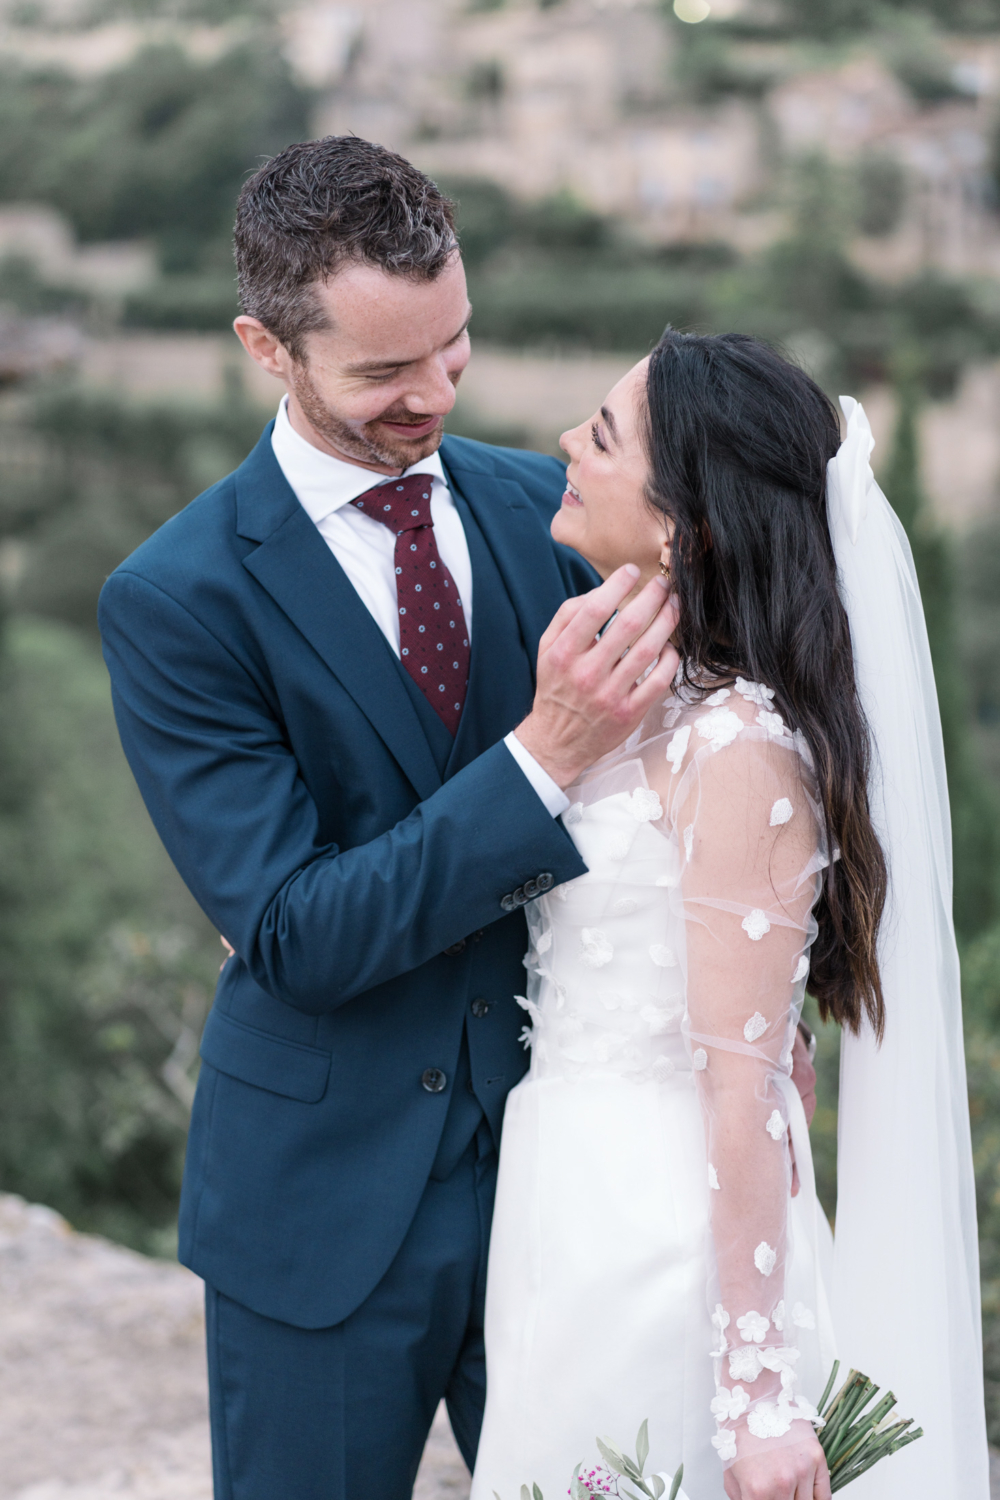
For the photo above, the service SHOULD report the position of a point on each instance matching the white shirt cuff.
(555, 799)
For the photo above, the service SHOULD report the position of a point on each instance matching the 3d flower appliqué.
(778, 1317)
(573, 814)
(755, 1027)
(662, 1069)
(544, 941)
(753, 1326)
(689, 839)
(781, 812)
(619, 845)
(744, 1364)
(720, 1318)
(801, 968)
(773, 723)
(719, 696)
(646, 805)
(719, 726)
(802, 1316)
(775, 1126)
(663, 957)
(754, 692)
(699, 1060)
(526, 1037)
(768, 1420)
(756, 925)
(624, 906)
(597, 951)
(713, 1179)
(764, 1258)
(728, 1405)
(724, 1444)
(678, 747)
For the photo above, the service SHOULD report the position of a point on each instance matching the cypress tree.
(974, 814)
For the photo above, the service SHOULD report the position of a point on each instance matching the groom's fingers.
(578, 633)
(632, 622)
(563, 615)
(648, 648)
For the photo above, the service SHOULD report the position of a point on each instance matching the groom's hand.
(590, 694)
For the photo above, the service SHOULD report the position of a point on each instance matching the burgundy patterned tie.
(433, 637)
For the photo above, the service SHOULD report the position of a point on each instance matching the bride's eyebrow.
(611, 424)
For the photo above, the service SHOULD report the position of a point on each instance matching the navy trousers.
(343, 1413)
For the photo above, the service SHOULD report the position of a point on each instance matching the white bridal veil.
(906, 1288)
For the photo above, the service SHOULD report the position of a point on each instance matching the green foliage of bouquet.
(852, 1438)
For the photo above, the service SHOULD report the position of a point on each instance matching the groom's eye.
(597, 439)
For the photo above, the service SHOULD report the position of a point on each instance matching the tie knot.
(401, 504)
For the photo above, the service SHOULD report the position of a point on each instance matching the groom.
(316, 668)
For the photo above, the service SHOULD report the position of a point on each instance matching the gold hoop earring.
(664, 570)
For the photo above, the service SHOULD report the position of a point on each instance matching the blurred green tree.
(975, 822)
(158, 147)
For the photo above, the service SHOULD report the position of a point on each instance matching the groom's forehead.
(379, 318)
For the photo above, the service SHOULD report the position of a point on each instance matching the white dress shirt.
(366, 550)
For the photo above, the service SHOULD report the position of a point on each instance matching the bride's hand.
(795, 1472)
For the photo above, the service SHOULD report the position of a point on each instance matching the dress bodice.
(606, 990)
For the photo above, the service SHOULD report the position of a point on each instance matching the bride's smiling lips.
(571, 496)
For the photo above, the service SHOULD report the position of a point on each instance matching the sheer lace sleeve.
(742, 808)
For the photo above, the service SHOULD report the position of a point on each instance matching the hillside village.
(673, 129)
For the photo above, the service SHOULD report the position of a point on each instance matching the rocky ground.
(102, 1379)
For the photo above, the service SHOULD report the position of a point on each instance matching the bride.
(648, 1257)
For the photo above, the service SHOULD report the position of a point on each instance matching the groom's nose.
(432, 386)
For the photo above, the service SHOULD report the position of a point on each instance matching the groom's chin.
(403, 452)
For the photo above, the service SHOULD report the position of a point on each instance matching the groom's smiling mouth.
(411, 429)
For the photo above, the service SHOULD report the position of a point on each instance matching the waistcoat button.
(433, 1080)
(479, 1008)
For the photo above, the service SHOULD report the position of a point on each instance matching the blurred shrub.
(199, 302)
(107, 965)
(87, 475)
(882, 194)
(580, 305)
(981, 1000)
(158, 147)
(979, 572)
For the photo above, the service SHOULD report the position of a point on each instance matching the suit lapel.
(520, 545)
(296, 567)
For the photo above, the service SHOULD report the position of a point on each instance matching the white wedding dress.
(645, 1173)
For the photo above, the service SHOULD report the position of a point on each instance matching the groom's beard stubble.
(368, 444)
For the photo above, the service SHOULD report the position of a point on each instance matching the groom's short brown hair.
(316, 206)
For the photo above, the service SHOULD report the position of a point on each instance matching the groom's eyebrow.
(372, 366)
(610, 423)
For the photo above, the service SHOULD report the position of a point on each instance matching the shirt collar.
(322, 483)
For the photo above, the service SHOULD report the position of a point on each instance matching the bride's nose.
(570, 442)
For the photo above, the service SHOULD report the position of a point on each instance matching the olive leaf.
(642, 1445)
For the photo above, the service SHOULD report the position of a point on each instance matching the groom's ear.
(262, 346)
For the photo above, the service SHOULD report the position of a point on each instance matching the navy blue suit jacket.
(290, 773)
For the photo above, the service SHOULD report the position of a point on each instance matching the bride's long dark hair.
(738, 441)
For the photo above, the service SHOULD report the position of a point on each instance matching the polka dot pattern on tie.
(433, 640)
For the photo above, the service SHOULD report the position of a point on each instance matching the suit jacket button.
(531, 889)
(508, 902)
(456, 947)
(520, 899)
(545, 881)
(479, 1008)
(433, 1080)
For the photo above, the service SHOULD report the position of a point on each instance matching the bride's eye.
(597, 438)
